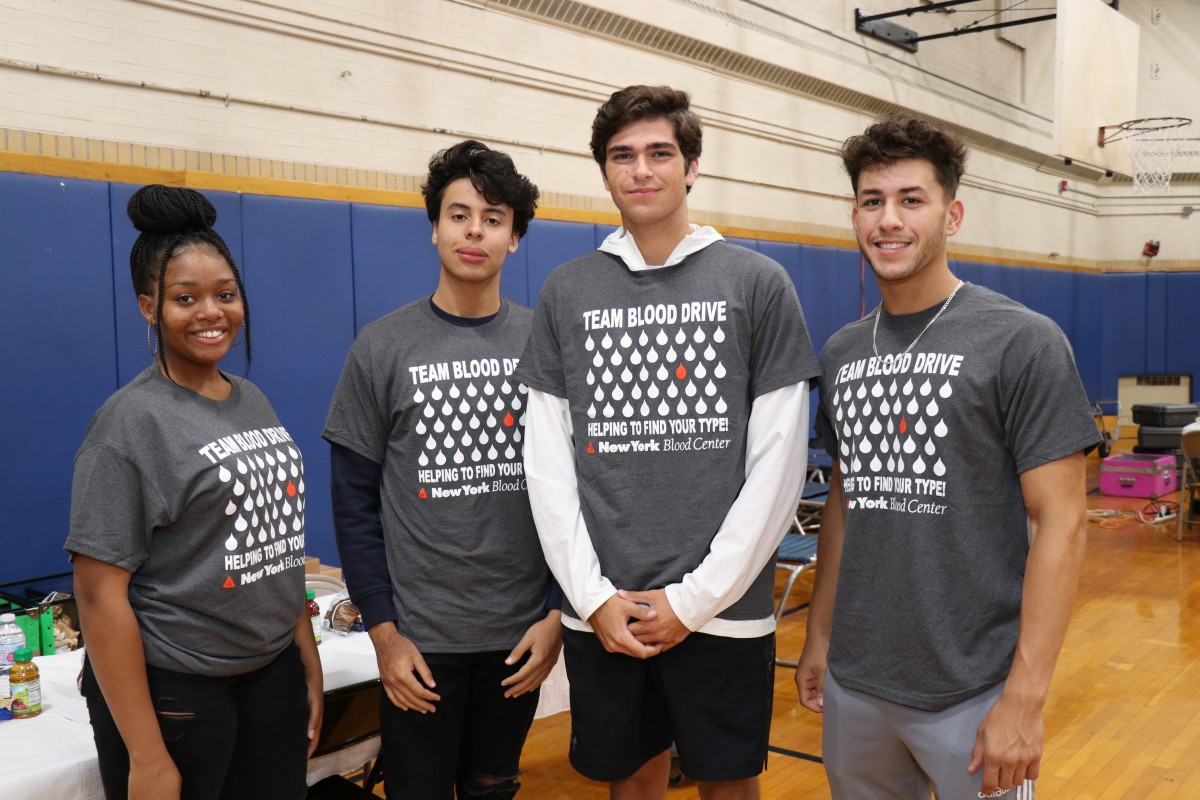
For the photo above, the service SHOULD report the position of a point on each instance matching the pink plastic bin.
(1137, 475)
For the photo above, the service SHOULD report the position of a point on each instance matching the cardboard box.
(1137, 475)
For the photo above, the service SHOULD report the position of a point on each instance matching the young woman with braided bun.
(202, 677)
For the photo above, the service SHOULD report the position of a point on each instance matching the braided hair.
(168, 219)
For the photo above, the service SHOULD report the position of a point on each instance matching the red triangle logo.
(590, 448)
(421, 494)
(228, 584)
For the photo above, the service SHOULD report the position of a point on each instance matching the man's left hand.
(1008, 745)
(665, 629)
(543, 642)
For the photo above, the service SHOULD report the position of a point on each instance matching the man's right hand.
(402, 670)
(810, 676)
(610, 622)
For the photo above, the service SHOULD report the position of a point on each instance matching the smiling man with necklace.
(955, 527)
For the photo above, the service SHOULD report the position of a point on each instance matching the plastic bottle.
(314, 614)
(12, 639)
(26, 685)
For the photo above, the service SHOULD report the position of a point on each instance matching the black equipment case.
(1159, 438)
(1165, 415)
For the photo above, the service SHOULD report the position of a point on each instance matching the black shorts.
(710, 695)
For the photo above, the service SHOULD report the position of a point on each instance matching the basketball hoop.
(1152, 143)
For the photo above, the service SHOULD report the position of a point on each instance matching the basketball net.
(1152, 144)
(1152, 157)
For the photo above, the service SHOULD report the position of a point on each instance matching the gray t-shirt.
(660, 368)
(203, 501)
(931, 446)
(437, 406)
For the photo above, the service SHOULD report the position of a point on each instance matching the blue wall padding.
(395, 261)
(1086, 335)
(1156, 323)
(1123, 334)
(299, 277)
(548, 244)
(316, 272)
(1182, 325)
(58, 360)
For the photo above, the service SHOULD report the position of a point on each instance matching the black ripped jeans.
(472, 743)
(241, 737)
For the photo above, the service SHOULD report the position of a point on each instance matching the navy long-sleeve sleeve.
(554, 596)
(354, 486)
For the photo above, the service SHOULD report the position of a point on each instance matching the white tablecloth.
(53, 757)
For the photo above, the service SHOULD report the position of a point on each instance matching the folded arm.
(776, 463)
(566, 543)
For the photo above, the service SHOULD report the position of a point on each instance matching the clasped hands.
(638, 624)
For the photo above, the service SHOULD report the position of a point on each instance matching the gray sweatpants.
(877, 750)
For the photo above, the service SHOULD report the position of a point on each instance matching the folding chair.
(1189, 489)
(812, 503)
(798, 551)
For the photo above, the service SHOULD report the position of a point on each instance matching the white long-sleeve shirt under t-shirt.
(776, 461)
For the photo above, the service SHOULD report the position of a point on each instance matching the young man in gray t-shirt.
(432, 520)
(668, 388)
(954, 532)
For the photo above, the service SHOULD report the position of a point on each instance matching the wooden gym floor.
(1123, 720)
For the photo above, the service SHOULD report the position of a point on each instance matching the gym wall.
(317, 271)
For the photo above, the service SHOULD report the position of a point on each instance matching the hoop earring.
(151, 339)
(236, 343)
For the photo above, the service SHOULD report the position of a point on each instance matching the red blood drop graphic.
(847, 505)
(590, 448)
(291, 490)
(228, 584)
(421, 494)
(508, 420)
(903, 425)
(681, 371)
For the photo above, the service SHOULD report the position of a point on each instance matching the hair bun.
(170, 209)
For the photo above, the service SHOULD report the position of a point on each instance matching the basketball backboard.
(1096, 63)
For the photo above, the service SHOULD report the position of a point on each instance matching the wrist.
(1026, 697)
(150, 754)
(383, 634)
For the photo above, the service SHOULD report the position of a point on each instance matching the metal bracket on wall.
(876, 26)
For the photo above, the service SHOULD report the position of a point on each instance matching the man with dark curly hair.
(431, 516)
(955, 526)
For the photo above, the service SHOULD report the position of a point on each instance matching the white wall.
(381, 84)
